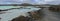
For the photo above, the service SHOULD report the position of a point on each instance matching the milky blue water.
(9, 15)
(7, 7)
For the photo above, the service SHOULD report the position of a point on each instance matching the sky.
(30, 1)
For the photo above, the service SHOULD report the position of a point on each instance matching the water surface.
(9, 15)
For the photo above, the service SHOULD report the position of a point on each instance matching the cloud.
(52, 1)
(48, 0)
(31, 1)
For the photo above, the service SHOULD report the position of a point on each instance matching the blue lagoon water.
(7, 7)
(9, 15)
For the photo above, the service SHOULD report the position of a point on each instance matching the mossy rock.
(36, 15)
(21, 18)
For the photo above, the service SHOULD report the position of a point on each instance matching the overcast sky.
(30, 1)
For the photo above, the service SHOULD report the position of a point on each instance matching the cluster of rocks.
(54, 8)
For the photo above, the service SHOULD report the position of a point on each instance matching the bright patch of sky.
(30, 1)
